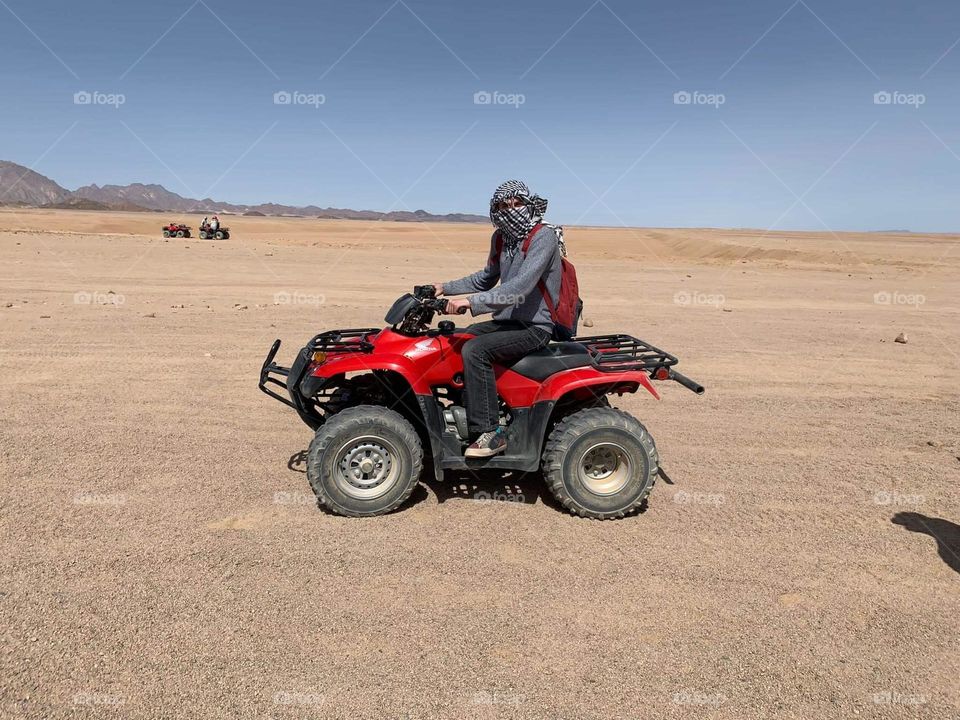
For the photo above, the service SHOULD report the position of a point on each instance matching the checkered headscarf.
(516, 223)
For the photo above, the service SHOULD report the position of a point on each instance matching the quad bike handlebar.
(427, 294)
(413, 313)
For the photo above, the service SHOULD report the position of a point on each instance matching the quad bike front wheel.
(600, 463)
(364, 461)
(218, 235)
(166, 233)
(179, 233)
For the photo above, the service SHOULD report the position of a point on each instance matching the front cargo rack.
(343, 341)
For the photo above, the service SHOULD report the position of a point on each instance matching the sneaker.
(487, 445)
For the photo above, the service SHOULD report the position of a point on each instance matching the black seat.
(554, 358)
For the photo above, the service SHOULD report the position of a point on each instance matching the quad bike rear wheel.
(219, 235)
(600, 463)
(179, 233)
(203, 235)
(364, 461)
(166, 233)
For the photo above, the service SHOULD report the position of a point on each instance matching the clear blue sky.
(598, 83)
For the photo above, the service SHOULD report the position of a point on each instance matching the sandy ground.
(163, 557)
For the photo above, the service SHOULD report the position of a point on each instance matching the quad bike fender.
(356, 362)
(556, 386)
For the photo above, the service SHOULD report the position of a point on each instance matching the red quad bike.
(176, 230)
(379, 400)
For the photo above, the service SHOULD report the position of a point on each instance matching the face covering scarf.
(516, 223)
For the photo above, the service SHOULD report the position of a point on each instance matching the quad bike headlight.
(319, 357)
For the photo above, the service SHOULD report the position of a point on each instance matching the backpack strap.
(541, 285)
(529, 238)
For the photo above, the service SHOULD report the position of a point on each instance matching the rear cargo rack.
(617, 353)
(343, 341)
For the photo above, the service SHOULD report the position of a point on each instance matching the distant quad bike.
(379, 400)
(221, 233)
(176, 230)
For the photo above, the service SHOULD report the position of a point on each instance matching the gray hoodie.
(517, 297)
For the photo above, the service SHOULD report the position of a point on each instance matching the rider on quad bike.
(383, 402)
(525, 258)
(212, 229)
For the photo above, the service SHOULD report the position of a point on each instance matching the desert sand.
(163, 555)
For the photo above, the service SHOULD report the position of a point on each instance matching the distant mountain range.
(24, 187)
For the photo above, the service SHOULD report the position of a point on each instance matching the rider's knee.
(472, 350)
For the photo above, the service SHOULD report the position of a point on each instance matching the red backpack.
(565, 312)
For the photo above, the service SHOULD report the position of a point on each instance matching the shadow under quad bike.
(377, 399)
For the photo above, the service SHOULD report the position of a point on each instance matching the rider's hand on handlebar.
(457, 306)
